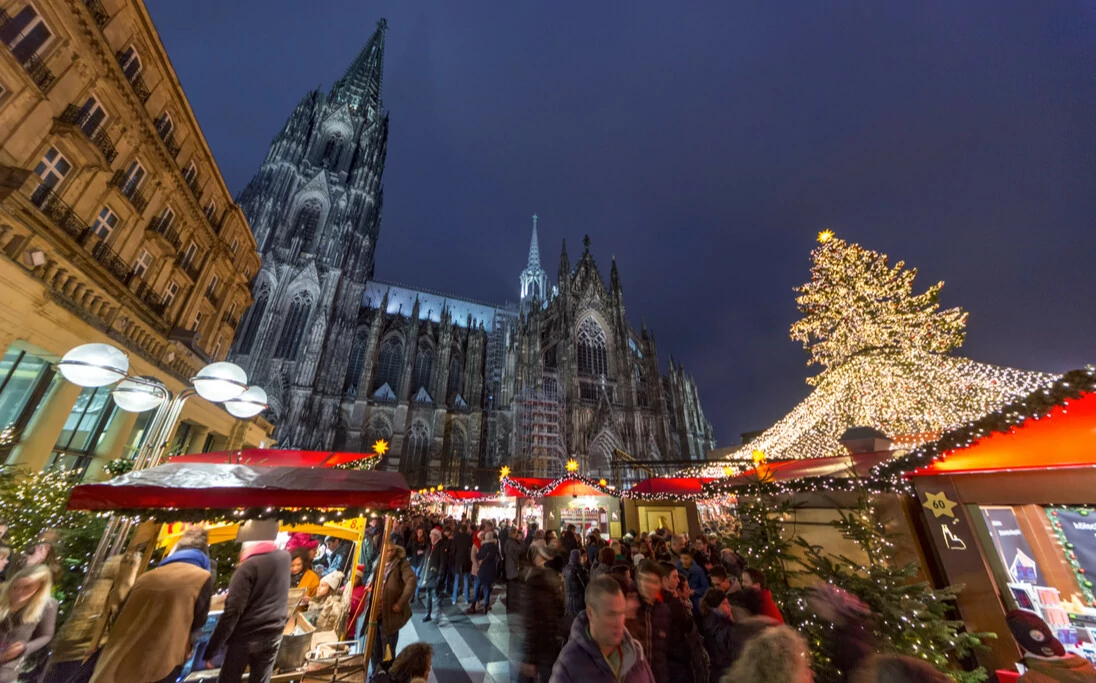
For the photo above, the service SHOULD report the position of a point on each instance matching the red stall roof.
(195, 486)
(836, 466)
(274, 457)
(566, 487)
(1065, 437)
(671, 486)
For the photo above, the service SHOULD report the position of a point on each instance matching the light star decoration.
(380, 447)
(572, 465)
(825, 236)
(504, 472)
(939, 504)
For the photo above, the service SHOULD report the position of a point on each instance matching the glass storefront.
(90, 417)
(23, 379)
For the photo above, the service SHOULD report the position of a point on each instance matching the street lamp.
(94, 365)
(138, 394)
(248, 404)
(219, 382)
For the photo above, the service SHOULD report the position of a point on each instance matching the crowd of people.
(646, 608)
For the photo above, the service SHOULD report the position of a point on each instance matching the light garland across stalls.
(289, 516)
(532, 492)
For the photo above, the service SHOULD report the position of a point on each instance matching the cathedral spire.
(534, 281)
(361, 84)
(534, 249)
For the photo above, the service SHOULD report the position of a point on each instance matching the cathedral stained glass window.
(389, 365)
(331, 150)
(306, 224)
(254, 319)
(592, 358)
(418, 442)
(424, 365)
(357, 362)
(296, 321)
(455, 383)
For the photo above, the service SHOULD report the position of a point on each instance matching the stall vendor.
(300, 573)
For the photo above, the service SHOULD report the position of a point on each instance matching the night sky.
(704, 145)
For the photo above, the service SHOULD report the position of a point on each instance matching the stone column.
(41, 434)
(197, 438)
(112, 444)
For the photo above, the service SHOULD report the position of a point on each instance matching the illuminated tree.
(856, 303)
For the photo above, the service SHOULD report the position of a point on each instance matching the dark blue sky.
(705, 144)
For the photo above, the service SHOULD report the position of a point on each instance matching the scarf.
(190, 556)
(260, 548)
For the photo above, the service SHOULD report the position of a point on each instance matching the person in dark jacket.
(416, 548)
(254, 615)
(850, 640)
(575, 578)
(569, 540)
(600, 649)
(753, 585)
(460, 563)
(488, 558)
(718, 630)
(430, 573)
(684, 636)
(513, 550)
(694, 574)
(543, 603)
(651, 624)
(397, 586)
(446, 548)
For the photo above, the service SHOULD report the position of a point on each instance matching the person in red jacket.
(753, 582)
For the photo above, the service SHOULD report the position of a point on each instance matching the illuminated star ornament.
(380, 447)
(504, 472)
(825, 236)
(939, 504)
(572, 465)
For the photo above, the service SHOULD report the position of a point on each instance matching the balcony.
(168, 136)
(98, 14)
(192, 183)
(112, 262)
(81, 119)
(31, 63)
(231, 320)
(59, 213)
(214, 297)
(161, 228)
(146, 294)
(192, 268)
(135, 80)
(130, 191)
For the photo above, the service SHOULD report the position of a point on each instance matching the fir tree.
(908, 617)
(856, 302)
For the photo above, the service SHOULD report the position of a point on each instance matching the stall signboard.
(1012, 547)
(1078, 526)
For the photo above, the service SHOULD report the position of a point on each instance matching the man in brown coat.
(399, 583)
(151, 639)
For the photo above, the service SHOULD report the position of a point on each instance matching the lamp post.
(100, 365)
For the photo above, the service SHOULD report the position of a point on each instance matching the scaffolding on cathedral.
(540, 449)
(497, 340)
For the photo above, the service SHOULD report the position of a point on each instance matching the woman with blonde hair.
(776, 655)
(27, 617)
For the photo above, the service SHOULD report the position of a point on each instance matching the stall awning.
(787, 470)
(669, 486)
(191, 486)
(1064, 437)
(273, 457)
(542, 487)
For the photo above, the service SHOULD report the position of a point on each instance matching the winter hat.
(333, 579)
(1033, 634)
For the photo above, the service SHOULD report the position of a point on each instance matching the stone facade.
(458, 387)
(115, 227)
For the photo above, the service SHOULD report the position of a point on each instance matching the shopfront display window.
(86, 423)
(22, 376)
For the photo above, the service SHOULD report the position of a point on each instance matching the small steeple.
(534, 281)
(564, 275)
(361, 84)
(614, 277)
(534, 248)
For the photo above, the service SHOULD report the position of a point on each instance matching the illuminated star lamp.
(825, 236)
(572, 465)
(380, 447)
(504, 472)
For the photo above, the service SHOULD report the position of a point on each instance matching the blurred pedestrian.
(753, 584)
(430, 572)
(411, 664)
(694, 574)
(575, 579)
(900, 669)
(776, 654)
(849, 640)
(543, 607)
(488, 558)
(460, 563)
(650, 624)
(165, 610)
(27, 618)
(397, 585)
(685, 654)
(718, 629)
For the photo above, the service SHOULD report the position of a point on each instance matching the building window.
(190, 174)
(25, 34)
(254, 320)
(196, 323)
(424, 365)
(105, 223)
(331, 151)
(53, 168)
(167, 217)
(235, 246)
(143, 263)
(231, 310)
(389, 365)
(296, 321)
(357, 362)
(170, 293)
(131, 62)
(305, 224)
(135, 174)
(92, 115)
(216, 355)
(188, 255)
(164, 125)
(22, 375)
(418, 445)
(212, 288)
(211, 210)
(85, 424)
(592, 359)
(455, 380)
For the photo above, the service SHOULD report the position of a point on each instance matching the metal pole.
(376, 602)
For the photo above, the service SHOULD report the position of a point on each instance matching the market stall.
(665, 503)
(222, 497)
(570, 499)
(1007, 506)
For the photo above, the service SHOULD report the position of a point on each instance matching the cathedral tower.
(315, 210)
(534, 281)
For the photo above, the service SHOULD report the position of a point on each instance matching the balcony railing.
(130, 191)
(97, 12)
(135, 80)
(192, 267)
(163, 227)
(80, 118)
(58, 212)
(146, 294)
(32, 64)
(168, 136)
(231, 320)
(112, 262)
(192, 183)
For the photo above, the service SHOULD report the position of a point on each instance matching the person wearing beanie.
(717, 627)
(1045, 658)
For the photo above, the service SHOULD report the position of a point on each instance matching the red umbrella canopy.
(194, 486)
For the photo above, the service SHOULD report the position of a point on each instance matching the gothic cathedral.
(457, 387)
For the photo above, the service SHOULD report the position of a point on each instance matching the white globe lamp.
(248, 404)
(94, 365)
(138, 394)
(219, 382)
